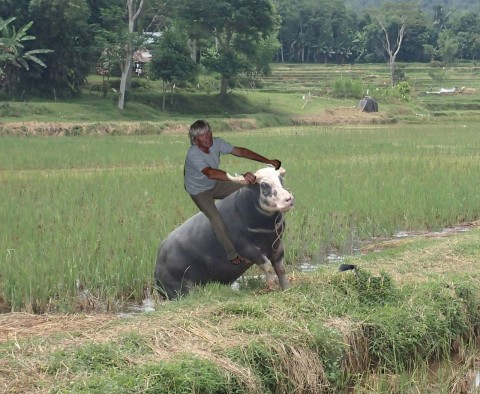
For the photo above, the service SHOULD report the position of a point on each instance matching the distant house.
(140, 57)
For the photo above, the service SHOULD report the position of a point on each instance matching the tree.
(18, 8)
(393, 19)
(171, 61)
(116, 41)
(13, 55)
(429, 51)
(476, 47)
(237, 27)
(264, 53)
(466, 29)
(441, 17)
(447, 46)
(134, 7)
(64, 28)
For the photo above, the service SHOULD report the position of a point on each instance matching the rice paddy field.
(88, 193)
(88, 213)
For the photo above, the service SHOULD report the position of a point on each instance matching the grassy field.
(90, 212)
(82, 218)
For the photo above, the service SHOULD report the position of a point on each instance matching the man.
(205, 182)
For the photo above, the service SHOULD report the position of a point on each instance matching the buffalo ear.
(281, 171)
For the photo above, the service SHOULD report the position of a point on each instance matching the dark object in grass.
(347, 267)
(368, 104)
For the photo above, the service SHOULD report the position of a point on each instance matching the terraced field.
(425, 80)
(422, 77)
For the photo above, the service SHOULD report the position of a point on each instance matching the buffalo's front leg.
(282, 277)
(269, 271)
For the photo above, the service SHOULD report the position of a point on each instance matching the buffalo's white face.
(273, 196)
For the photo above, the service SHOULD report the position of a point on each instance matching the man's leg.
(206, 203)
(224, 189)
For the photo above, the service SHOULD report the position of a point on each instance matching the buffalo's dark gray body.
(192, 255)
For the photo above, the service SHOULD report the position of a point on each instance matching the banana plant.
(12, 52)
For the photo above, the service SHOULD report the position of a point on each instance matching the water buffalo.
(191, 255)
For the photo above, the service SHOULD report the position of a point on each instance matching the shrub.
(348, 88)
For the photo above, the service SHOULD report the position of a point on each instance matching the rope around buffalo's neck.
(278, 225)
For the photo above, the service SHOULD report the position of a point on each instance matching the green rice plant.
(85, 215)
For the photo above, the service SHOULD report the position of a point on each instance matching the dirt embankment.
(103, 128)
(331, 116)
(344, 116)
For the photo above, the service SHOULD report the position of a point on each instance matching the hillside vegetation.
(292, 94)
(427, 5)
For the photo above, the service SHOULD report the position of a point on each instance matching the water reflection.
(354, 246)
(146, 306)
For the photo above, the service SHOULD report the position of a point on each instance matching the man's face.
(204, 141)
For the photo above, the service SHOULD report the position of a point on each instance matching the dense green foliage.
(426, 5)
(13, 56)
(232, 38)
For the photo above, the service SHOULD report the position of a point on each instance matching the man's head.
(198, 128)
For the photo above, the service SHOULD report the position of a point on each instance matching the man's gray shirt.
(195, 181)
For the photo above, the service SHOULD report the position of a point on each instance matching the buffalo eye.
(266, 189)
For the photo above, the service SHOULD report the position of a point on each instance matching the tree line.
(49, 47)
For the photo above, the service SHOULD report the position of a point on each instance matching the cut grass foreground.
(380, 332)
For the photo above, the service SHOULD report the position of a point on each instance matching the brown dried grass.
(330, 116)
(343, 116)
(35, 337)
(18, 326)
(84, 128)
(356, 358)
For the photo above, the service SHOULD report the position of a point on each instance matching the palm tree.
(13, 56)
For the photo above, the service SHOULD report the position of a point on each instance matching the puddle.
(433, 234)
(355, 247)
(148, 305)
(463, 367)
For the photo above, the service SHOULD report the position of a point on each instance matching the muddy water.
(463, 368)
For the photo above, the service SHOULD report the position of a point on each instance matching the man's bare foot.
(236, 261)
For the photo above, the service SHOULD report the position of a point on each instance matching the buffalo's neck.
(257, 219)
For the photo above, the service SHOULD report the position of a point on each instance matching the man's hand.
(250, 178)
(276, 163)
